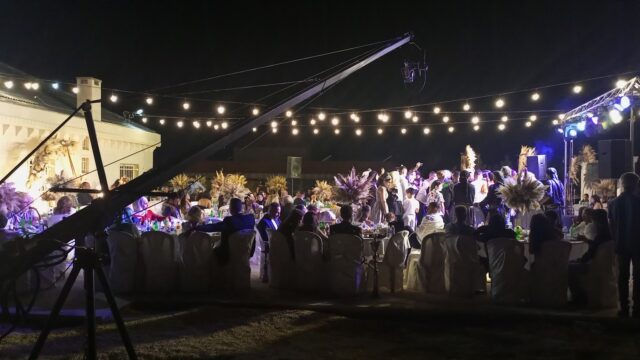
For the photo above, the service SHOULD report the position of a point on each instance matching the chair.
(159, 261)
(123, 252)
(309, 263)
(506, 268)
(196, 262)
(262, 253)
(394, 260)
(346, 268)
(550, 274)
(432, 266)
(601, 283)
(464, 270)
(236, 273)
(281, 265)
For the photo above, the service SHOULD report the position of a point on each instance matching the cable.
(247, 87)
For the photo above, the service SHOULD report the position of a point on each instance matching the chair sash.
(281, 265)
(236, 273)
(309, 262)
(432, 265)
(506, 268)
(196, 262)
(465, 273)
(550, 274)
(394, 260)
(346, 268)
(159, 259)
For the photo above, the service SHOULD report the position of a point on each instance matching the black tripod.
(88, 261)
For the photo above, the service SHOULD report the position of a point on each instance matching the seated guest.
(301, 208)
(260, 199)
(124, 223)
(84, 199)
(363, 219)
(287, 207)
(64, 208)
(496, 228)
(185, 203)
(204, 202)
(313, 209)
(460, 226)
(171, 206)
(194, 217)
(577, 228)
(395, 224)
(299, 199)
(590, 229)
(541, 230)
(431, 223)
(310, 224)
(250, 206)
(270, 220)
(327, 216)
(142, 211)
(345, 226)
(288, 226)
(230, 224)
(553, 218)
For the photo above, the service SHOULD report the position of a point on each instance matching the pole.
(95, 148)
(566, 183)
(632, 119)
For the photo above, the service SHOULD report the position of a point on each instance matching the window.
(86, 145)
(129, 171)
(85, 165)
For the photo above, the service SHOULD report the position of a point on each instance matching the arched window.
(86, 145)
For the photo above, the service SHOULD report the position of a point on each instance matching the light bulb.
(336, 131)
(499, 103)
(322, 116)
(144, 120)
(555, 122)
(527, 124)
(255, 129)
(415, 119)
(403, 131)
(451, 129)
(504, 118)
(501, 127)
(476, 127)
(180, 124)
(209, 122)
(577, 89)
(316, 131)
(149, 101)
(35, 86)
(255, 111)
(380, 131)
(196, 124)
(289, 113)
(274, 124)
(445, 119)
(533, 117)
(27, 85)
(113, 98)
(294, 122)
(274, 130)
(621, 83)
(221, 109)
(312, 122)
(294, 131)
(161, 121)
(535, 96)
(358, 132)
(436, 110)
(55, 86)
(186, 105)
(408, 114)
(335, 121)
(426, 131)
(8, 84)
(75, 90)
(224, 125)
(466, 107)
(475, 120)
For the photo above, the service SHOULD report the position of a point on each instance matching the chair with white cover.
(196, 262)
(549, 280)
(465, 273)
(261, 257)
(309, 263)
(281, 265)
(123, 253)
(394, 261)
(506, 268)
(432, 266)
(235, 274)
(346, 267)
(601, 281)
(159, 260)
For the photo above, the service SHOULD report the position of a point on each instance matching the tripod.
(89, 261)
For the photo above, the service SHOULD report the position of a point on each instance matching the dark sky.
(473, 48)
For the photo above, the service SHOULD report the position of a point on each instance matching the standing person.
(299, 199)
(463, 192)
(447, 194)
(270, 220)
(624, 212)
(287, 207)
(435, 196)
(84, 198)
(171, 206)
(410, 209)
(403, 183)
(555, 191)
(507, 175)
(288, 226)
(381, 208)
(493, 201)
(596, 203)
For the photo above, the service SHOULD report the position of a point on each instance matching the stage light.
(527, 124)
(8, 84)
(572, 133)
(316, 131)
(312, 122)
(321, 116)
(555, 122)
(445, 119)
(535, 96)
(289, 113)
(221, 109)
(476, 127)
(504, 118)
(144, 120)
(209, 123)
(561, 116)
(403, 131)
(623, 103)
(502, 127)
(335, 121)
(466, 107)
(274, 124)
(436, 110)
(294, 122)
(274, 130)
(426, 131)
(35, 86)
(408, 114)
(255, 129)
(560, 131)
(336, 131)
(358, 132)
(615, 116)
(55, 86)
(294, 131)
(475, 120)
(581, 125)
(161, 121)
(380, 131)
(186, 105)
(255, 111)
(75, 90)
(27, 85)
(180, 124)
(499, 103)
(621, 83)
(149, 101)
(451, 129)
(224, 125)
(113, 98)
(196, 124)
(533, 117)
(577, 89)
(415, 119)
(594, 120)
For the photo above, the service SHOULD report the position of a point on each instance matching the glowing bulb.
(255, 129)
(186, 105)
(144, 120)
(356, 119)
(316, 131)
(408, 114)
(335, 121)
(75, 89)
(255, 111)
(216, 127)
(294, 131)
(180, 124)
(415, 119)
(504, 118)
(501, 127)
(312, 122)
(221, 109)
(466, 107)
(380, 131)
(527, 124)
(274, 124)
(561, 116)
(35, 86)
(336, 131)
(8, 84)
(139, 111)
(615, 116)
(224, 125)
(353, 116)
(209, 123)
(451, 129)
(322, 116)
(533, 117)
(358, 132)
(476, 127)
(294, 122)
(27, 85)
(274, 130)
(436, 110)
(621, 83)
(403, 131)
(161, 121)
(426, 131)
(475, 120)
(289, 113)
(149, 101)
(445, 119)
(555, 122)
(499, 103)
(535, 96)
(577, 89)
(55, 86)
(196, 124)
(113, 97)
(582, 125)
(560, 131)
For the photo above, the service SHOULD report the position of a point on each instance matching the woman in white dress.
(435, 195)
(381, 208)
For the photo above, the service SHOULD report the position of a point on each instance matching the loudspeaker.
(537, 165)
(614, 158)
(294, 167)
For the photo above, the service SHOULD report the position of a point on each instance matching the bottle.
(518, 233)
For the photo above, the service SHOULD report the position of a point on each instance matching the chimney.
(90, 89)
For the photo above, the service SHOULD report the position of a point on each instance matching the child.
(411, 207)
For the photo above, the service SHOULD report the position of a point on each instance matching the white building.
(29, 115)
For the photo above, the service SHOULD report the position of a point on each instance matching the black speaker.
(614, 158)
(537, 165)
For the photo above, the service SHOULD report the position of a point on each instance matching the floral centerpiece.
(229, 186)
(524, 196)
(353, 188)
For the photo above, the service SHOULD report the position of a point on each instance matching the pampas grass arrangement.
(229, 186)
(276, 184)
(54, 148)
(604, 187)
(522, 158)
(352, 188)
(524, 196)
(323, 190)
(468, 159)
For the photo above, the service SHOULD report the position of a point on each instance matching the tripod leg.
(116, 313)
(89, 291)
(37, 348)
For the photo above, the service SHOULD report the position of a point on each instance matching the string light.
(380, 131)
(475, 120)
(577, 89)
(621, 83)
(186, 105)
(8, 84)
(161, 121)
(294, 131)
(408, 114)
(451, 129)
(415, 119)
(356, 119)
(533, 117)
(274, 124)
(555, 122)
(353, 116)
(113, 97)
(499, 103)
(383, 117)
(196, 124)
(335, 121)
(274, 130)
(221, 109)
(502, 127)
(535, 96)
(322, 116)
(180, 124)
(527, 124)
(255, 111)
(255, 129)
(426, 131)
(358, 132)
(336, 131)
(224, 125)
(316, 131)
(504, 118)
(35, 86)
(466, 107)
(27, 85)
(209, 123)
(476, 127)
(561, 116)
(294, 122)
(289, 113)
(75, 90)
(436, 110)
(312, 122)
(144, 120)
(445, 119)
(403, 131)
(216, 127)
(149, 101)
(55, 86)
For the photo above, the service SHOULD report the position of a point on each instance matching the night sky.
(473, 48)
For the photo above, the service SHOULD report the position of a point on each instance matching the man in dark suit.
(270, 220)
(345, 227)
(624, 216)
(235, 222)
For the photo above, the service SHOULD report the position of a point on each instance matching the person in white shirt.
(431, 223)
(411, 207)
